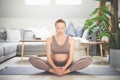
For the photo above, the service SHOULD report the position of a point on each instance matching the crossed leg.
(41, 64)
(79, 64)
(44, 65)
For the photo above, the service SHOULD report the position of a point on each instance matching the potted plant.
(106, 24)
(98, 25)
(115, 48)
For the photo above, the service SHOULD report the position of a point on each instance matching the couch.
(7, 50)
(10, 44)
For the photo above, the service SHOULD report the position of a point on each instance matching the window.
(57, 2)
(68, 2)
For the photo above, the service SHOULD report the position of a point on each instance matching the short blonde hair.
(60, 21)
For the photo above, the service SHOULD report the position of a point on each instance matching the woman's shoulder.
(71, 39)
(49, 39)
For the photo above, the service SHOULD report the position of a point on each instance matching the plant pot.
(115, 58)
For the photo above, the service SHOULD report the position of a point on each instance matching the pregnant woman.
(60, 52)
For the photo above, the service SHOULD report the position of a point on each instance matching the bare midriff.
(60, 57)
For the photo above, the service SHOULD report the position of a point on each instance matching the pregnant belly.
(60, 57)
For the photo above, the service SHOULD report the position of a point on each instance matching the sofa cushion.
(13, 35)
(9, 48)
(1, 51)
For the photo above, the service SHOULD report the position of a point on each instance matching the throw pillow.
(70, 30)
(85, 34)
(13, 34)
(2, 35)
(105, 38)
(79, 31)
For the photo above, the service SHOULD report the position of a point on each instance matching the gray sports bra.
(56, 48)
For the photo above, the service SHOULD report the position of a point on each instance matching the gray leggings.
(76, 65)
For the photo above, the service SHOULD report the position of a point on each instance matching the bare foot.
(53, 71)
(60, 73)
(67, 71)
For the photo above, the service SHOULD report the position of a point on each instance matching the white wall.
(36, 23)
(17, 8)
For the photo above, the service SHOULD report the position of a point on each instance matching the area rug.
(33, 71)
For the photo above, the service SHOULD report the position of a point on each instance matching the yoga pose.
(60, 52)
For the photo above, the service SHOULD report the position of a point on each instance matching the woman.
(60, 51)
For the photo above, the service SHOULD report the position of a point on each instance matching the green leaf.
(88, 24)
(94, 28)
(103, 18)
(105, 10)
(104, 34)
(94, 12)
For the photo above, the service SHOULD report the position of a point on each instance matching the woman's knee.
(88, 59)
(81, 63)
(31, 59)
(85, 59)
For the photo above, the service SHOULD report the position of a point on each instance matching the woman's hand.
(63, 69)
(59, 71)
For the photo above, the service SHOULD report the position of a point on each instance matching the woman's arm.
(71, 54)
(48, 52)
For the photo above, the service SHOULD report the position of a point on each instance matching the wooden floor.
(16, 62)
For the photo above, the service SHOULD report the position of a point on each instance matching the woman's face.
(60, 27)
